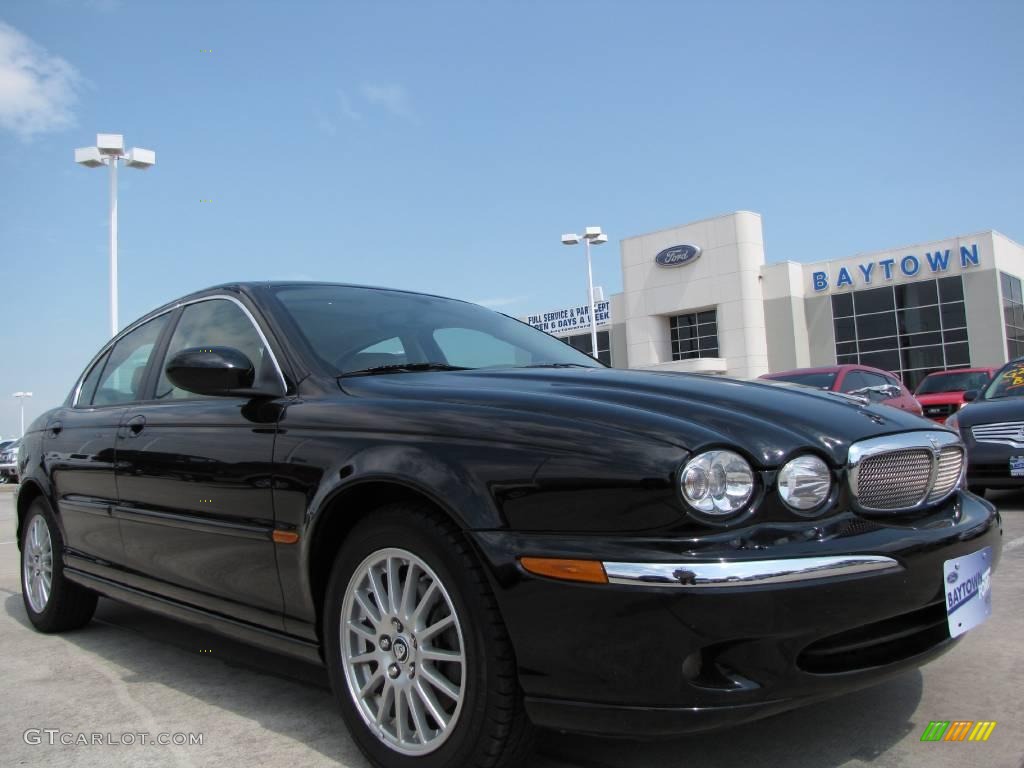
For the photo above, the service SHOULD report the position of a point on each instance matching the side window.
(854, 380)
(121, 380)
(877, 380)
(212, 323)
(88, 389)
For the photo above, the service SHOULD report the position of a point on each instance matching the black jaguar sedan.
(992, 427)
(478, 529)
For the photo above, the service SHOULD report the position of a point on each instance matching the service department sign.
(678, 255)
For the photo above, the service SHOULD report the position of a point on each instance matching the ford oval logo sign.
(677, 255)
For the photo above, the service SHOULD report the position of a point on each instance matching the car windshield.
(357, 330)
(959, 381)
(822, 380)
(1009, 382)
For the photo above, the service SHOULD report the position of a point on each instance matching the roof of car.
(828, 369)
(248, 287)
(983, 369)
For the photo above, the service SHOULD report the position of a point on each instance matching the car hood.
(767, 420)
(941, 398)
(990, 411)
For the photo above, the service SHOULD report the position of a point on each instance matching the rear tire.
(53, 603)
(431, 698)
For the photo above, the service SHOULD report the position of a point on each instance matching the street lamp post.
(108, 150)
(21, 397)
(595, 236)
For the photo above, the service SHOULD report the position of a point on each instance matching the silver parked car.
(9, 461)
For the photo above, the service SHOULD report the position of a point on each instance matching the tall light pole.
(595, 236)
(21, 397)
(108, 150)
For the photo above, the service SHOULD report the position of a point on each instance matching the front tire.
(416, 649)
(53, 603)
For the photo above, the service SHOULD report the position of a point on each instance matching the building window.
(910, 330)
(694, 335)
(1013, 315)
(582, 343)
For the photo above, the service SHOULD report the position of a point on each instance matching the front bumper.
(988, 465)
(686, 646)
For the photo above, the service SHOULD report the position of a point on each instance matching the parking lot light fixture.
(597, 237)
(21, 398)
(108, 150)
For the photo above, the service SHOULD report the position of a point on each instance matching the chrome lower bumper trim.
(745, 573)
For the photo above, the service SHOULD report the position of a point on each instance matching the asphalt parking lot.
(132, 672)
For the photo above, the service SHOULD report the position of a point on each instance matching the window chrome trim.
(179, 305)
(718, 574)
(932, 441)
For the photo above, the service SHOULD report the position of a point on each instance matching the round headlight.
(805, 482)
(717, 482)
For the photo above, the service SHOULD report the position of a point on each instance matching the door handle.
(135, 425)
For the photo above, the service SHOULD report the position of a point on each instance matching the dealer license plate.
(1017, 466)
(968, 590)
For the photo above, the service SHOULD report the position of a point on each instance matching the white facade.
(722, 309)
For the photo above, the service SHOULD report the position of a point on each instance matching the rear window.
(820, 380)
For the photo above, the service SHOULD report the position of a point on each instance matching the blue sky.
(445, 146)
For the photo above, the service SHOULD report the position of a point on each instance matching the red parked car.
(877, 385)
(941, 394)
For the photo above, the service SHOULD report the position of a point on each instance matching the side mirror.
(971, 395)
(212, 371)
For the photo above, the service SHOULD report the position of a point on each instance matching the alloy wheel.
(403, 651)
(37, 567)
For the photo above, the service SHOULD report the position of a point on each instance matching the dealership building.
(701, 297)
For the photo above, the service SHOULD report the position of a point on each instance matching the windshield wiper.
(404, 368)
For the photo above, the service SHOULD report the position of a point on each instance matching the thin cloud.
(37, 89)
(346, 107)
(391, 97)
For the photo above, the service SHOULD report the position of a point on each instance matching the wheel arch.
(28, 492)
(342, 510)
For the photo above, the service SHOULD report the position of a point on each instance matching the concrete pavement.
(132, 672)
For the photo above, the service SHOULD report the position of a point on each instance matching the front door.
(194, 480)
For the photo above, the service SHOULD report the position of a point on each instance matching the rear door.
(194, 479)
(79, 444)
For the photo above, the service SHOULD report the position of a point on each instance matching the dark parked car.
(478, 528)
(992, 428)
(941, 394)
(876, 385)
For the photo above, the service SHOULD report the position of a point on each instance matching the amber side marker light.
(285, 537)
(589, 571)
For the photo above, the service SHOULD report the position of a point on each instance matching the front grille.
(903, 472)
(947, 472)
(894, 480)
(878, 644)
(1005, 433)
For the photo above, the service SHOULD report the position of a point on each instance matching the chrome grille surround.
(905, 472)
(1003, 433)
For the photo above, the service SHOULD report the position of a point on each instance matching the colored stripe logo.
(958, 730)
